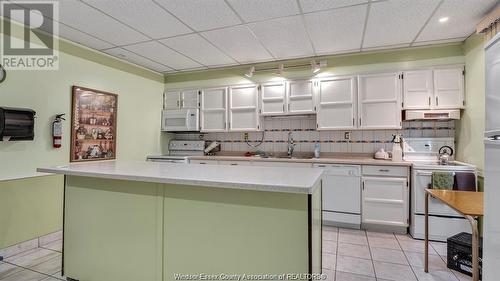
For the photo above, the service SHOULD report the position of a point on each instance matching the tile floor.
(358, 255)
(40, 264)
(348, 255)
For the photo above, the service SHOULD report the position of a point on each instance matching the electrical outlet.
(245, 136)
(347, 135)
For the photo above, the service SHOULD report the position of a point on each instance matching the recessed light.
(443, 19)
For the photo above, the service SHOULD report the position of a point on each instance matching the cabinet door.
(273, 98)
(336, 103)
(385, 201)
(301, 96)
(379, 98)
(214, 110)
(243, 108)
(172, 100)
(189, 99)
(449, 88)
(417, 89)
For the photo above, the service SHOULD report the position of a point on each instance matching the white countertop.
(277, 179)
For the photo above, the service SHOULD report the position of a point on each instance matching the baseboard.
(30, 244)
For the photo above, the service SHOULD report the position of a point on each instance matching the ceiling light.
(281, 69)
(444, 19)
(250, 72)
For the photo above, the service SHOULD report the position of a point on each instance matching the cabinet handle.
(353, 122)
(429, 101)
(233, 164)
(178, 105)
(437, 101)
(360, 121)
(383, 170)
(322, 166)
(288, 107)
(182, 103)
(283, 108)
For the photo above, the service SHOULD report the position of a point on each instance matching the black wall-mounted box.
(17, 124)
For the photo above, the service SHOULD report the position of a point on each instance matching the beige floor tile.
(417, 259)
(434, 274)
(7, 269)
(354, 250)
(440, 248)
(50, 278)
(461, 276)
(54, 246)
(344, 276)
(352, 238)
(49, 267)
(25, 275)
(329, 274)
(389, 255)
(404, 237)
(32, 257)
(328, 261)
(330, 234)
(329, 247)
(19, 248)
(416, 246)
(375, 234)
(59, 275)
(355, 265)
(352, 231)
(386, 243)
(49, 238)
(396, 272)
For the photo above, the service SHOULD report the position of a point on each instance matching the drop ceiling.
(170, 36)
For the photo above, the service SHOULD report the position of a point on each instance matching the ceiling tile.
(320, 5)
(199, 49)
(328, 29)
(82, 17)
(143, 15)
(284, 37)
(396, 21)
(201, 14)
(84, 39)
(131, 57)
(239, 43)
(463, 16)
(160, 53)
(256, 10)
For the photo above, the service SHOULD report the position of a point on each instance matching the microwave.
(180, 120)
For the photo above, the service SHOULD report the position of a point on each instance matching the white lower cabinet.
(385, 201)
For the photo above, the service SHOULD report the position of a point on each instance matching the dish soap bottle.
(316, 150)
(397, 150)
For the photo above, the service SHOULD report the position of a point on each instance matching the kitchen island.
(126, 220)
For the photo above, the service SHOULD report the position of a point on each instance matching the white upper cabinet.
(180, 99)
(273, 98)
(301, 97)
(379, 101)
(213, 111)
(417, 89)
(439, 88)
(243, 108)
(336, 103)
(449, 88)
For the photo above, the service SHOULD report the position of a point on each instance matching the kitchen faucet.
(291, 145)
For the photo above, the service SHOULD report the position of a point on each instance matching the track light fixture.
(250, 72)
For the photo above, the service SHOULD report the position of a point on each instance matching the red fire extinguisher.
(57, 130)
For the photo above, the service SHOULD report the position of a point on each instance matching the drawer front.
(207, 162)
(385, 201)
(339, 170)
(235, 163)
(282, 164)
(391, 171)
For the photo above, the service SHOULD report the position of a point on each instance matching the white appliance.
(444, 221)
(491, 230)
(181, 120)
(341, 191)
(180, 150)
(452, 114)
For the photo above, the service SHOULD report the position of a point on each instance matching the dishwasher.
(341, 192)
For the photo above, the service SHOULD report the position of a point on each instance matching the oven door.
(422, 179)
(180, 120)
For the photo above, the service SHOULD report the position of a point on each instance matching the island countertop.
(276, 179)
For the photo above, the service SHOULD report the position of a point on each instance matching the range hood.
(451, 114)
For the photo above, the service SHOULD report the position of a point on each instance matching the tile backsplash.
(305, 136)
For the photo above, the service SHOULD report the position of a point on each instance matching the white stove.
(424, 155)
(180, 150)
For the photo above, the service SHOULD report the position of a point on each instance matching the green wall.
(470, 128)
(30, 208)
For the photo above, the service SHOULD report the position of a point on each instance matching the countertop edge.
(367, 161)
